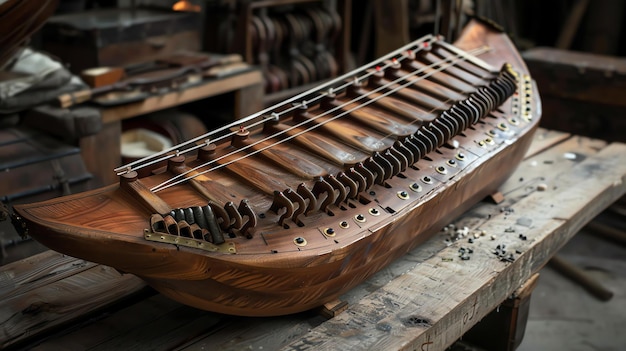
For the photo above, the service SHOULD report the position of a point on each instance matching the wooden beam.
(171, 99)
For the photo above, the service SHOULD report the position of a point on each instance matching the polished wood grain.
(337, 200)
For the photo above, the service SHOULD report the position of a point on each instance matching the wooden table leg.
(503, 328)
(101, 153)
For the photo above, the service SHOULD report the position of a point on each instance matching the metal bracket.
(228, 247)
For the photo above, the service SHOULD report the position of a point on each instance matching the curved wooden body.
(303, 221)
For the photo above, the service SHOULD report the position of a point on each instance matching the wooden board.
(43, 292)
(251, 80)
(424, 301)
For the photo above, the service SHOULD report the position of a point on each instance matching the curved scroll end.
(295, 198)
(337, 185)
(307, 195)
(401, 147)
(281, 201)
(220, 215)
(404, 161)
(358, 178)
(386, 165)
(322, 187)
(366, 174)
(247, 211)
(376, 169)
(348, 183)
(234, 215)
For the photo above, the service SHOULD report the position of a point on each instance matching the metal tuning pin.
(177, 161)
(206, 152)
(240, 137)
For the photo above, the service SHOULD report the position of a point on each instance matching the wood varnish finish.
(308, 222)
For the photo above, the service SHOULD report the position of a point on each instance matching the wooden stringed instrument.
(288, 208)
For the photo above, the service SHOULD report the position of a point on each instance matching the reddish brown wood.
(292, 240)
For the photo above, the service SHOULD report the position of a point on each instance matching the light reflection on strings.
(180, 178)
(311, 95)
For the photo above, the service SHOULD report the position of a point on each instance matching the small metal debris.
(507, 210)
(447, 259)
(518, 252)
(500, 251)
(464, 253)
(509, 230)
(542, 187)
(470, 240)
(477, 235)
(493, 237)
(523, 237)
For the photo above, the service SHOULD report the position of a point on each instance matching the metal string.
(172, 181)
(150, 160)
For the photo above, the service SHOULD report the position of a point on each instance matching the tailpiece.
(289, 208)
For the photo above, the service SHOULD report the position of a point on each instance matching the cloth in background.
(40, 79)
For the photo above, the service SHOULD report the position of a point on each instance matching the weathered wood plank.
(177, 98)
(433, 304)
(163, 324)
(545, 138)
(47, 290)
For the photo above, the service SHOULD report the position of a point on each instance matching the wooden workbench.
(424, 301)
